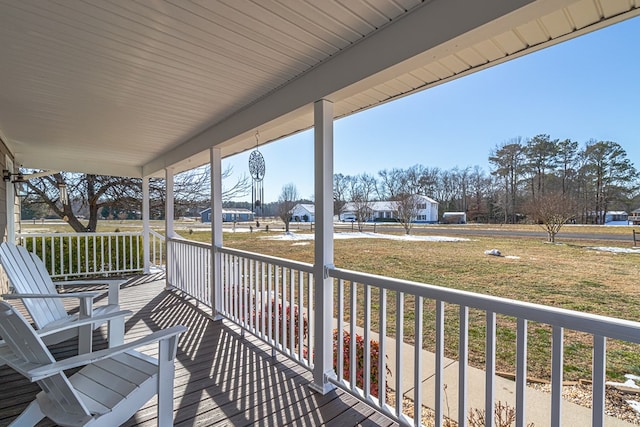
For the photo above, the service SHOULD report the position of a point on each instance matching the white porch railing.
(84, 254)
(355, 292)
(266, 296)
(189, 268)
(272, 298)
(157, 250)
(89, 254)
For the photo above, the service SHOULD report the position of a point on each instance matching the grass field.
(567, 275)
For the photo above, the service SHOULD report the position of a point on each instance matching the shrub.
(374, 348)
(282, 321)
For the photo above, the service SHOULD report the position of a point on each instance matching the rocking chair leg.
(166, 374)
(85, 339)
(116, 331)
(30, 417)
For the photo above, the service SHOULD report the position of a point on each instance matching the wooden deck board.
(221, 378)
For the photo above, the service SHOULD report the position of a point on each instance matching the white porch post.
(146, 259)
(168, 224)
(323, 285)
(168, 206)
(216, 231)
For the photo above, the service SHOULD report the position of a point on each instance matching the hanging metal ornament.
(257, 169)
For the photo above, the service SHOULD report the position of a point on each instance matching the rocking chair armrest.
(82, 322)
(114, 286)
(86, 299)
(40, 372)
(90, 282)
(79, 295)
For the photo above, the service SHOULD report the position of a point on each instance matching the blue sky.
(582, 89)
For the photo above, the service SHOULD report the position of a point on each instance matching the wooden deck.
(221, 378)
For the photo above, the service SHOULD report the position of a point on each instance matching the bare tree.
(551, 210)
(407, 210)
(91, 193)
(391, 183)
(286, 202)
(362, 190)
(340, 192)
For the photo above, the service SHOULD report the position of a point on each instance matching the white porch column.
(146, 258)
(169, 210)
(323, 285)
(168, 225)
(216, 231)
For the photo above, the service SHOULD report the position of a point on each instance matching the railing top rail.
(189, 242)
(88, 234)
(156, 234)
(295, 265)
(626, 330)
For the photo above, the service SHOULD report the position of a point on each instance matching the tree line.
(586, 180)
(571, 181)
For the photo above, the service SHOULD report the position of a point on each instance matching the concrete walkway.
(538, 403)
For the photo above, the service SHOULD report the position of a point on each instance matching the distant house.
(303, 212)
(634, 218)
(229, 215)
(612, 216)
(454, 218)
(427, 211)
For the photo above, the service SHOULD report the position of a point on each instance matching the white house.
(303, 212)
(427, 211)
(616, 216)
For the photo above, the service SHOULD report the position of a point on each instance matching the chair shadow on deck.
(220, 376)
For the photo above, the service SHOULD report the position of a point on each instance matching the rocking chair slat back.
(28, 275)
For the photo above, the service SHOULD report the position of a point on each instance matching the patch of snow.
(615, 250)
(300, 244)
(493, 252)
(629, 383)
(366, 235)
(512, 257)
(236, 230)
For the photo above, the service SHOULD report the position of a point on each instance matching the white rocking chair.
(33, 285)
(109, 389)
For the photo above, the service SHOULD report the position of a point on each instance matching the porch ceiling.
(129, 88)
